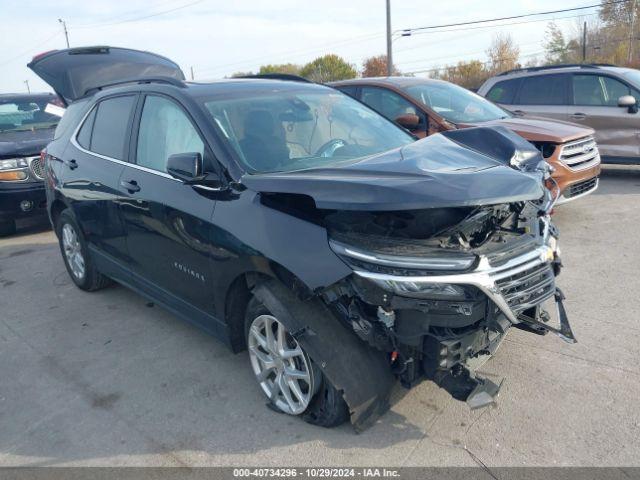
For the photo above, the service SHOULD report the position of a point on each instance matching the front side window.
(388, 103)
(276, 131)
(504, 92)
(543, 90)
(165, 130)
(22, 114)
(110, 127)
(598, 90)
(455, 104)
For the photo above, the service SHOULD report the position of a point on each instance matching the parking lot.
(107, 379)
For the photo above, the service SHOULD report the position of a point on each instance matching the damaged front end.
(435, 286)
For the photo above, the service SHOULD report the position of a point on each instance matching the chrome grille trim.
(496, 281)
(580, 154)
(37, 167)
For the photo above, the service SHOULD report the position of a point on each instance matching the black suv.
(288, 219)
(25, 129)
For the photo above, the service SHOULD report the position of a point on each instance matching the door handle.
(72, 164)
(518, 113)
(578, 116)
(131, 186)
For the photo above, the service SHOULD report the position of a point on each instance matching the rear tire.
(326, 407)
(76, 256)
(7, 228)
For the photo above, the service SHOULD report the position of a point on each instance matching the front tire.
(76, 255)
(287, 376)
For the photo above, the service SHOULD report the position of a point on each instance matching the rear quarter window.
(504, 91)
(111, 126)
(70, 119)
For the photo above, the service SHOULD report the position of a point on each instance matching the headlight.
(13, 164)
(438, 261)
(13, 169)
(422, 290)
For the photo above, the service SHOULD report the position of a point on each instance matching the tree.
(328, 68)
(469, 74)
(241, 74)
(503, 54)
(288, 68)
(377, 67)
(557, 50)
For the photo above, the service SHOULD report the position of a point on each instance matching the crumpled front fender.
(361, 373)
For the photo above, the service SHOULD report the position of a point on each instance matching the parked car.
(603, 97)
(425, 106)
(289, 219)
(25, 129)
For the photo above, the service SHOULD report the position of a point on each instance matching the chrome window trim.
(75, 143)
(484, 277)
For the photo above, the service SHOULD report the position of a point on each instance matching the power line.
(502, 25)
(137, 19)
(31, 49)
(513, 17)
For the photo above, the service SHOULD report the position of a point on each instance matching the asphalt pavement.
(106, 379)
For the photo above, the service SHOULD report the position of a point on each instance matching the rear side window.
(110, 127)
(504, 92)
(543, 90)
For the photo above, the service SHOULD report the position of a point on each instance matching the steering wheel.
(329, 148)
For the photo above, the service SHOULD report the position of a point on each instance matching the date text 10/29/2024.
(316, 472)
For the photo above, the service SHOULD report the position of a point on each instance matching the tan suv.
(425, 106)
(603, 97)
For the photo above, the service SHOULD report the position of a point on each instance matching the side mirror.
(185, 166)
(629, 102)
(408, 121)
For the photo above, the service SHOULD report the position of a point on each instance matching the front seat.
(264, 145)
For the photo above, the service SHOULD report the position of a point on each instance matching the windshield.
(279, 131)
(633, 76)
(25, 114)
(456, 104)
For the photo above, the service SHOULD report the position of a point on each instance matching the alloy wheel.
(73, 251)
(282, 368)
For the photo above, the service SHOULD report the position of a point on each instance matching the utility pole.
(584, 42)
(389, 52)
(66, 33)
(631, 25)
(26, 82)
(192, 73)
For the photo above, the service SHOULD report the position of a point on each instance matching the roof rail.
(168, 80)
(278, 76)
(561, 65)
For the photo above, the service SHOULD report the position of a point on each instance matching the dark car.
(25, 129)
(291, 220)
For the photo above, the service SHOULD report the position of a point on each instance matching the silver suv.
(603, 97)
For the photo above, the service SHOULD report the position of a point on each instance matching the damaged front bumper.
(514, 286)
(517, 287)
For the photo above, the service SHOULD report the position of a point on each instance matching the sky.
(219, 37)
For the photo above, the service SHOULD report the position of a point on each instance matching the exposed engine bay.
(444, 331)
